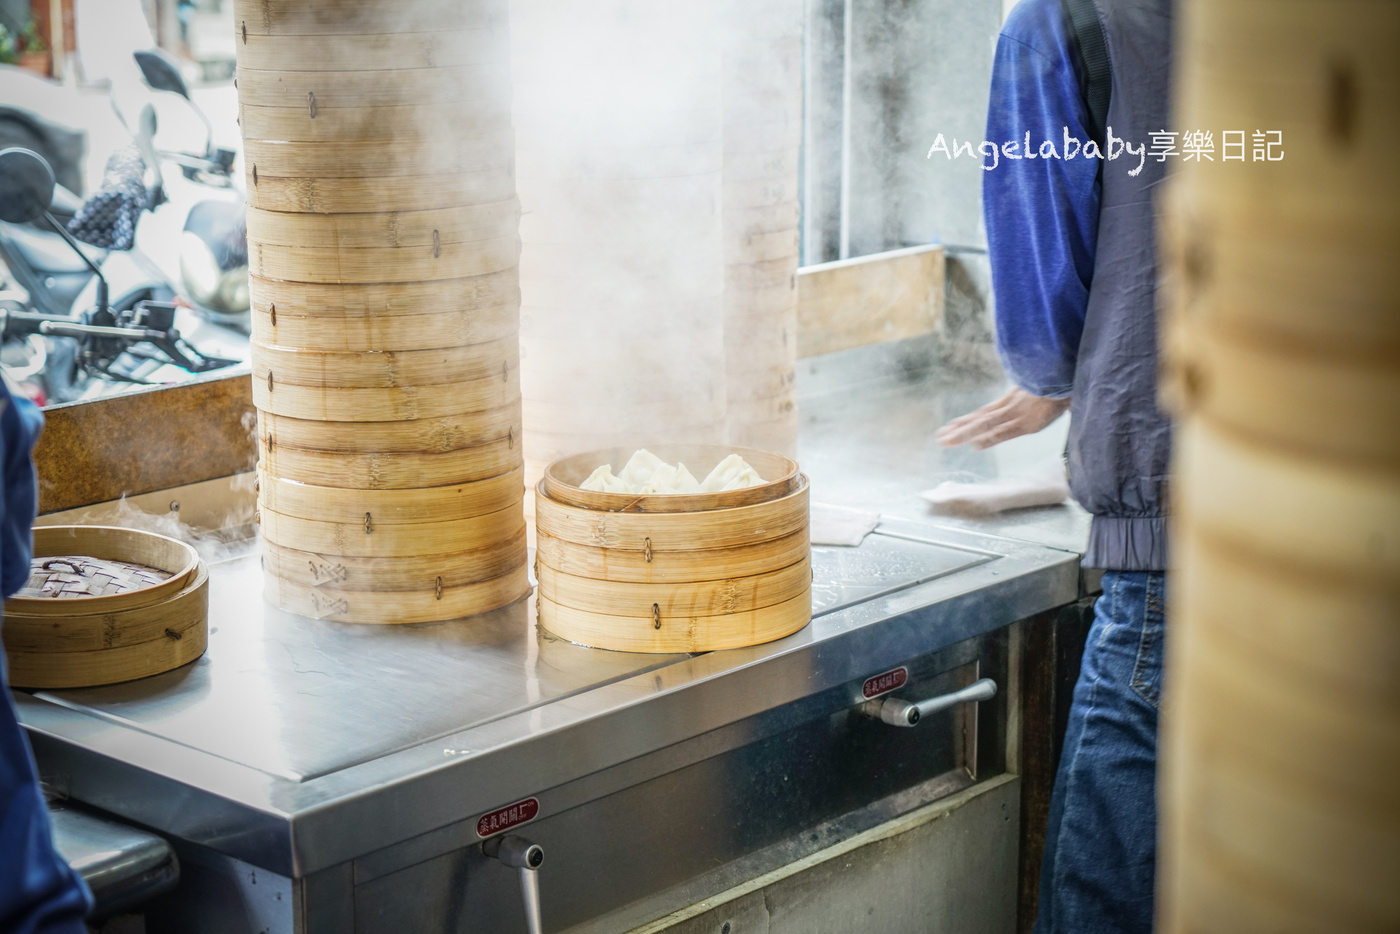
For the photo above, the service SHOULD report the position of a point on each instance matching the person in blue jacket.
(39, 892)
(1073, 258)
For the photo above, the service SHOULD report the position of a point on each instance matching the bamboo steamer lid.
(373, 51)
(390, 470)
(175, 558)
(388, 334)
(386, 124)
(388, 229)
(623, 565)
(494, 297)
(400, 606)
(561, 479)
(388, 404)
(330, 572)
(386, 264)
(391, 507)
(254, 18)
(386, 193)
(369, 539)
(377, 368)
(676, 634)
(449, 433)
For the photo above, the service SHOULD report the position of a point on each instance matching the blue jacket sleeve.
(39, 892)
(1041, 207)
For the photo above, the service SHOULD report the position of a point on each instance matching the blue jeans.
(1100, 845)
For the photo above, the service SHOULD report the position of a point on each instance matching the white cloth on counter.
(840, 525)
(992, 496)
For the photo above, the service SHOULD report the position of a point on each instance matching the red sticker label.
(883, 684)
(512, 815)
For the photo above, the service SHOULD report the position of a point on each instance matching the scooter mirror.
(161, 72)
(26, 186)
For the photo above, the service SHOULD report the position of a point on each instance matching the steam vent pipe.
(1281, 743)
(383, 246)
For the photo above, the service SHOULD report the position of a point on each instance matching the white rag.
(839, 525)
(993, 496)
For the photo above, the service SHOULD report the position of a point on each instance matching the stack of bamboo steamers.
(383, 246)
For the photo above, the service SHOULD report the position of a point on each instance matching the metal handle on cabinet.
(526, 857)
(899, 712)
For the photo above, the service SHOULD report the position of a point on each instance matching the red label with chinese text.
(883, 684)
(512, 815)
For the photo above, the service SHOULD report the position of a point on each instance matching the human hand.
(1015, 414)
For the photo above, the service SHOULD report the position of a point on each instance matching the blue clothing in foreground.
(1100, 844)
(1042, 213)
(39, 893)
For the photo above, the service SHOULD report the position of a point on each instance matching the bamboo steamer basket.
(390, 470)
(383, 264)
(1280, 349)
(428, 435)
(484, 151)
(622, 565)
(400, 606)
(374, 51)
(385, 193)
(368, 538)
(314, 92)
(382, 404)
(391, 507)
(93, 640)
(389, 229)
(332, 572)
(384, 369)
(386, 124)
(388, 334)
(494, 297)
(706, 572)
(254, 18)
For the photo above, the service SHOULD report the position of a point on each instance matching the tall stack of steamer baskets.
(620, 150)
(383, 247)
(1282, 713)
(762, 99)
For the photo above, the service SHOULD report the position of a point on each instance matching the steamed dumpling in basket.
(732, 473)
(646, 474)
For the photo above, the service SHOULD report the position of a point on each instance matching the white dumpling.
(746, 478)
(685, 481)
(640, 469)
(662, 481)
(603, 481)
(727, 472)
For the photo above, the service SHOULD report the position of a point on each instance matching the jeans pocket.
(1147, 670)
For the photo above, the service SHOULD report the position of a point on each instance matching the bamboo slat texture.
(1282, 362)
(383, 246)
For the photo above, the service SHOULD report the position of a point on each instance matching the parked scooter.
(120, 345)
(199, 250)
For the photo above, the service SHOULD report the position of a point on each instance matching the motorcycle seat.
(47, 254)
